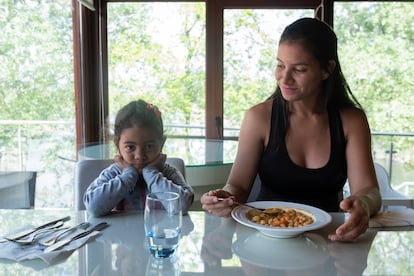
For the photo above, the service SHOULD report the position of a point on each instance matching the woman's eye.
(300, 70)
(130, 148)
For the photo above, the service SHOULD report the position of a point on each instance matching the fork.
(33, 236)
(82, 234)
(54, 239)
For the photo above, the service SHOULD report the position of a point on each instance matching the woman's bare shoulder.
(350, 115)
(261, 110)
(256, 123)
(354, 120)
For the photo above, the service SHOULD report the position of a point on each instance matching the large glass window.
(156, 51)
(251, 39)
(376, 50)
(37, 96)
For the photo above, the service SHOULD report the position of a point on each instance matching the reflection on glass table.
(14, 219)
(17, 189)
(391, 253)
(218, 246)
(194, 152)
(215, 246)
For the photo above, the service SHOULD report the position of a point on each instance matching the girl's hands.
(221, 208)
(121, 162)
(158, 162)
(356, 224)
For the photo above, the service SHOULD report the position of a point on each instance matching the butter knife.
(29, 231)
(82, 234)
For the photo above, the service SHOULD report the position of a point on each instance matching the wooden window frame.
(91, 62)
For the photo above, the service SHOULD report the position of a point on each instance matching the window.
(377, 59)
(220, 51)
(251, 38)
(37, 109)
(156, 51)
(180, 70)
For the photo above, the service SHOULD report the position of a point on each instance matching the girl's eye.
(130, 147)
(151, 147)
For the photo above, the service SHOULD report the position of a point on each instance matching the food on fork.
(281, 217)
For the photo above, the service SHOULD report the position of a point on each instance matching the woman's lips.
(288, 90)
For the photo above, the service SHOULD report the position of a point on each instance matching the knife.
(82, 234)
(29, 231)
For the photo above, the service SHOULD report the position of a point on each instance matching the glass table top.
(212, 245)
(194, 152)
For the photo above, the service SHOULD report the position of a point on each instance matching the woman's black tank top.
(283, 180)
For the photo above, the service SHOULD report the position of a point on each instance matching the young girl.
(139, 168)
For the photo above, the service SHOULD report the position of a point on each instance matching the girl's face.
(139, 146)
(298, 73)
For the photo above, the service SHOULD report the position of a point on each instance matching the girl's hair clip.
(157, 112)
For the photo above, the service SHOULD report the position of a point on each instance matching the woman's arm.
(254, 134)
(361, 172)
(365, 199)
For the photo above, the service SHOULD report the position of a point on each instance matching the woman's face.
(298, 73)
(139, 146)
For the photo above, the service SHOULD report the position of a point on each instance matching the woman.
(307, 138)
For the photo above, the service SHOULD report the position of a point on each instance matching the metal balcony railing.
(40, 146)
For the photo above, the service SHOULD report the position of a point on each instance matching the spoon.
(54, 239)
(243, 204)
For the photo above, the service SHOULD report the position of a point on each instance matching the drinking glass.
(163, 220)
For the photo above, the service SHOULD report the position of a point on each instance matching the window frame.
(91, 61)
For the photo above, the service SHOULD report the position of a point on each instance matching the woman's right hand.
(211, 203)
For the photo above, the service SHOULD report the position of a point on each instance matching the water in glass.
(163, 220)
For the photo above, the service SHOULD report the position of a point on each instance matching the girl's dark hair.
(138, 113)
(320, 40)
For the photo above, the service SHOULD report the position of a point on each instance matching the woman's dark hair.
(321, 41)
(138, 113)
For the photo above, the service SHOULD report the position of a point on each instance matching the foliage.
(156, 60)
(157, 52)
(36, 60)
(250, 47)
(376, 54)
(36, 85)
(36, 64)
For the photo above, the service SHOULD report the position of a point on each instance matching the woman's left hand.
(356, 224)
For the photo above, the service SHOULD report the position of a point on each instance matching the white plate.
(320, 217)
(303, 252)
